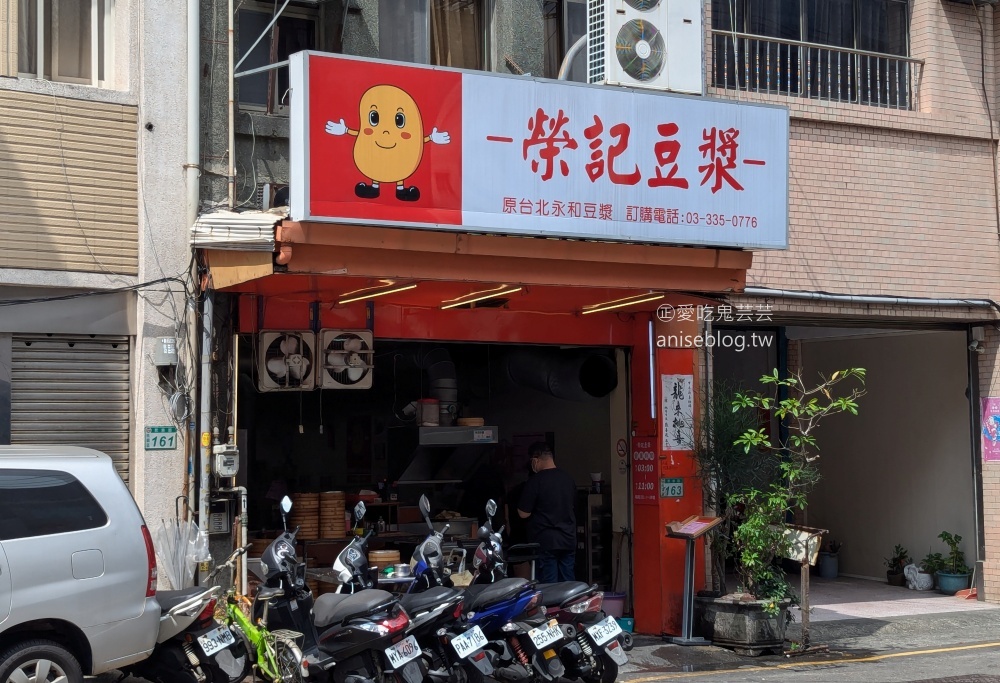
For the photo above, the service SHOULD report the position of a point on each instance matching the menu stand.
(690, 529)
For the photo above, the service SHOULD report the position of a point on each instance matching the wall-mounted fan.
(348, 358)
(286, 361)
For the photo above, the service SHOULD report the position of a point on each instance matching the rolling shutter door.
(74, 391)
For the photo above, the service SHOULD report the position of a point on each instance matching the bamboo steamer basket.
(331, 514)
(383, 558)
(305, 515)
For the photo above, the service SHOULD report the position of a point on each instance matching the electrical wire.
(96, 292)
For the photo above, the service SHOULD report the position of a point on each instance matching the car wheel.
(39, 661)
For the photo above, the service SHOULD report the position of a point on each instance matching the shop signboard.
(383, 143)
(645, 471)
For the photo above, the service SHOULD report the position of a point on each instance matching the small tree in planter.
(953, 574)
(759, 538)
(726, 468)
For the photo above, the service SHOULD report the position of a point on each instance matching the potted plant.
(829, 559)
(952, 574)
(753, 620)
(894, 566)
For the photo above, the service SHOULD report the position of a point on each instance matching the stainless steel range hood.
(457, 436)
(448, 455)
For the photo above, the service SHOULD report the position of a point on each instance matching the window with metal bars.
(842, 50)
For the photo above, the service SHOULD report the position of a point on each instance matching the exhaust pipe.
(574, 375)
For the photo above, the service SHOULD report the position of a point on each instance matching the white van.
(77, 567)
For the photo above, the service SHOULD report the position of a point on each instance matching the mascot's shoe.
(367, 191)
(407, 194)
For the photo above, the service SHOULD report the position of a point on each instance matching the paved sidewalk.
(852, 618)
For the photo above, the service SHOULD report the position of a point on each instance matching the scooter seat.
(269, 593)
(170, 599)
(482, 595)
(336, 608)
(415, 603)
(555, 594)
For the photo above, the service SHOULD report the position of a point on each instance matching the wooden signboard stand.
(690, 529)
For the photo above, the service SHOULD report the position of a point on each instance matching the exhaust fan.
(286, 361)
(348, 358)
(653, 44)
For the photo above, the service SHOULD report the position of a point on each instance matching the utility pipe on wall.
(192, 180)
(205, 463)
(869, 299)
(231, 153)
(570, 56)
(192, 165)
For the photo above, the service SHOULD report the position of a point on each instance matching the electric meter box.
(165, 352)
(227, 460)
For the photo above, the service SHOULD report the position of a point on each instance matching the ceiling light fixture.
(381, 285)
(464, 297)
(492, 295)
(621, 303)
(372, 295)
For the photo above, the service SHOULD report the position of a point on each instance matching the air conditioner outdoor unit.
(286, 361)
(646, 44)
(347, 359)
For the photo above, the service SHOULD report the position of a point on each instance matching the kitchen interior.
(452, 421)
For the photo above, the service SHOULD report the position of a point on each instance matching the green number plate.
(161, 438)
(671, 488)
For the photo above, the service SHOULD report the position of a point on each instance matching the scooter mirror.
(491, 507)
(286, 506)
(359, 511)
(425, 510)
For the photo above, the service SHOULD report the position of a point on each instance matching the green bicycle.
(278, 655)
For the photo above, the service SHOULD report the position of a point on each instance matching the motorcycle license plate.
(215, 640)
(604, 631)
(543, 637)
(403, 652)
(469, 642)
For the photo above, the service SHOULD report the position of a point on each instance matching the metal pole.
(804, 588)
(688, 589)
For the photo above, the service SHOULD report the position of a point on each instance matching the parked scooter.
(595, 644)
(192, 647)
(358, 638)
(452, 650)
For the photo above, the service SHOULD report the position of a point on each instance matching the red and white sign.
(382, 143)
(645, 472)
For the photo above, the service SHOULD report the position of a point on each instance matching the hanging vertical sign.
(678, 412)
(991, 428)
(644, 471)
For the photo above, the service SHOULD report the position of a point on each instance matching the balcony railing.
(743, 61)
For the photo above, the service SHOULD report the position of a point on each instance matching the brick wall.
(901, 203)
(891, 202)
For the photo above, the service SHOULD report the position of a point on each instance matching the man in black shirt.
(547, 502)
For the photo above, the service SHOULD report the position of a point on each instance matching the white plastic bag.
(917, 580)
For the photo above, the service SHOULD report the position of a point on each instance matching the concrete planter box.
(742, 625)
